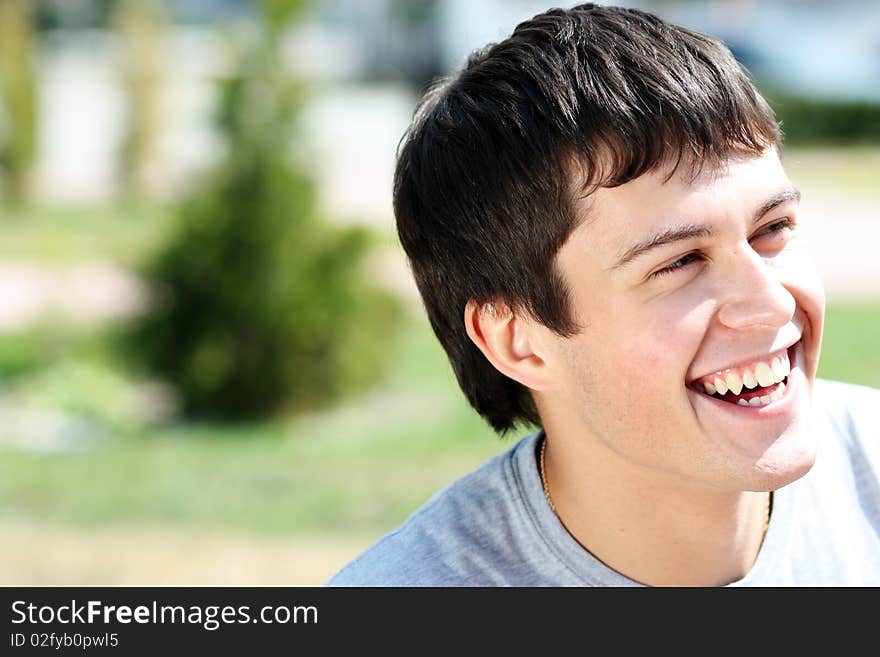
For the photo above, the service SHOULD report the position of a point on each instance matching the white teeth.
(734, 382)
(778, 372)
(764, 400)
(777, 394)
(764, 374)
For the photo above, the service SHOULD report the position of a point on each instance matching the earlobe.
(507, 342)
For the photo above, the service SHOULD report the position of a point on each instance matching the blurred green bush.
(261, 306)
(810, 121)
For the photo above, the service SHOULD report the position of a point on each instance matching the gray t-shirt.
(493, 527)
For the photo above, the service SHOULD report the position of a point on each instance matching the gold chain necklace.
(553, 506)
(544, 477)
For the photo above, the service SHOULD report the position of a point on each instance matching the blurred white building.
(367, 60)
(804, 46)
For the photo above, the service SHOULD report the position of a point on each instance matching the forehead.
(612, 218)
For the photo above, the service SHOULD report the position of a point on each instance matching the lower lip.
(781, 406)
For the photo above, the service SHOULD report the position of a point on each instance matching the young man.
(608, 247)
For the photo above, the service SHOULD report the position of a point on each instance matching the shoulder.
(854, 410)
(454, 539)
(853, 413)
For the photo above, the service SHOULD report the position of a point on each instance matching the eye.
(683, 262)
(777, 229)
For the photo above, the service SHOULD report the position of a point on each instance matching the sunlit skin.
(662, 483)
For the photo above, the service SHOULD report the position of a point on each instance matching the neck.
(654, 531)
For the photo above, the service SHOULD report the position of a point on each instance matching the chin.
(788, 459)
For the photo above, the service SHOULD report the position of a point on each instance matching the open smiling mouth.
(756, 383)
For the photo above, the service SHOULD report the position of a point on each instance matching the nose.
(754, 296)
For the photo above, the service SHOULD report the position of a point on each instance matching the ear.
(508, 341)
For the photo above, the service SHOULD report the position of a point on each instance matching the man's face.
(677, 284)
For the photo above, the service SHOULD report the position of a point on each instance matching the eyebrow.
(780, 197)
(668, 236)
(690, 231)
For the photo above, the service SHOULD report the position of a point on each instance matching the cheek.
(627, 386)
(799, 274)
(671, 336)
(795, 264)
(648, 366)
(633, 365)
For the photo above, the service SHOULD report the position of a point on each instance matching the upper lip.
(744, 361)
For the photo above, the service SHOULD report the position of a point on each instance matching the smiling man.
(607, 245)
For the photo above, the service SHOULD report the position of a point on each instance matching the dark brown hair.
(488, 171)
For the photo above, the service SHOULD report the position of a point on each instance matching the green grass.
(851, 344)
(359, 469)
(122, 233)
(842, 171)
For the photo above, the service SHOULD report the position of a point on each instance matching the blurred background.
(214, 367)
